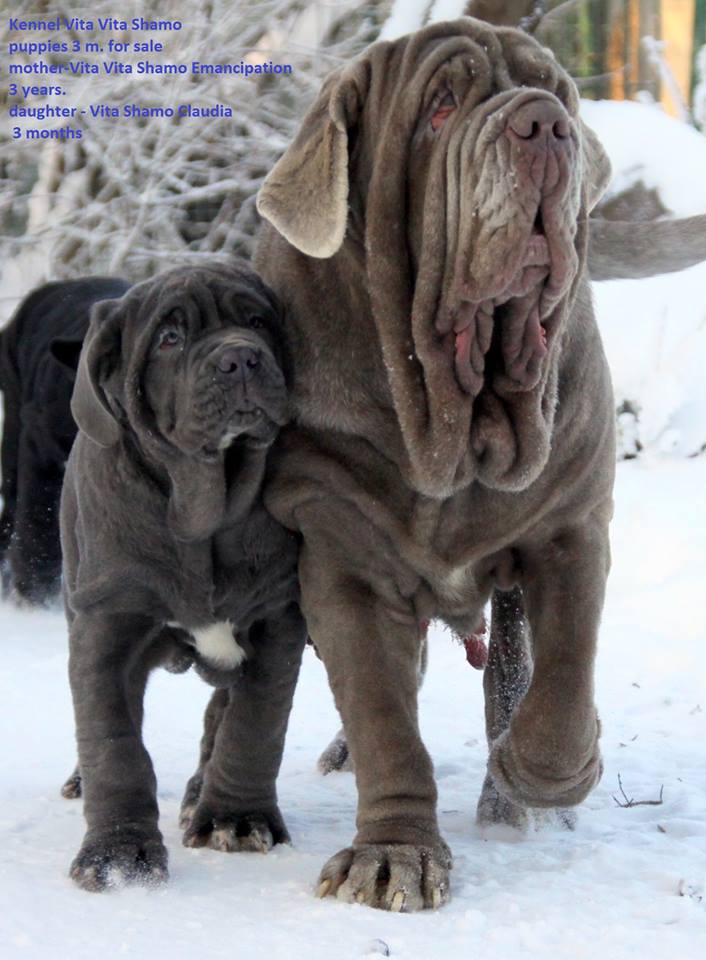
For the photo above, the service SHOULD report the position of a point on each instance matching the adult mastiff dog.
(179, 394)
(454, 421)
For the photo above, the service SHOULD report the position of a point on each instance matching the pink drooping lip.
(509, 321)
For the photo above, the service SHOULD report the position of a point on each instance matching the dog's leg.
(549, 756)
(35, 551)
(336, 756)
(108, 673)
(370, 646)
(169, 650)
(237, 807)
(211, 722)
(505, 681)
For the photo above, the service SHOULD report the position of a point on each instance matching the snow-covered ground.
(628, 882)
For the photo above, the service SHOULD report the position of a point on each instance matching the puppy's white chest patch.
(217, 644)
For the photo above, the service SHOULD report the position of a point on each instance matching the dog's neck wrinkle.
(153, 469)
(244, 475)
(244, 472)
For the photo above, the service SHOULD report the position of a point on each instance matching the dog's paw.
(121, 855)
(72, 787)
(336, 757)
(544, 777)
(496, 810)
(255, 832)
(395, 877)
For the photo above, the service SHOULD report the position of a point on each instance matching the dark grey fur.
(39, 350)
(179, 393)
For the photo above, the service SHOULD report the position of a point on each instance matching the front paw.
(539, 772)
(127, 853)
(395, 877)
(255, 832)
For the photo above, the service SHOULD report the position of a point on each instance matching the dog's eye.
(168, 338)
(443, 111)
(257, 323)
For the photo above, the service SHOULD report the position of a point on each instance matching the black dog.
(179, 393)
(39, 350)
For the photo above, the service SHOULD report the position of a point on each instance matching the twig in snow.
(629, 802)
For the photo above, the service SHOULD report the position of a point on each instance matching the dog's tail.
(623, 250)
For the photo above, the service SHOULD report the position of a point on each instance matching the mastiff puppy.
(453, 430)
(39, 350)
(180, 391)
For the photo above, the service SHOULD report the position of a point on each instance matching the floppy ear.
(99, 356)
(305, 195)
(597, 170)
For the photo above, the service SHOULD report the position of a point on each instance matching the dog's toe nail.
(158, 876)
(397, 902)
(223, 839)
(88, 878)
(323, 888)
(257, 842)
(185, 817)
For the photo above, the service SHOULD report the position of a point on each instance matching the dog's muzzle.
(501, 284)
(242, 394)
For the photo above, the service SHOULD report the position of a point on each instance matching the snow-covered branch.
(134, 192)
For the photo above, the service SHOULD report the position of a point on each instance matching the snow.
(610, 889)
(643, 143)
(654, 333)
(405, 16)
(654, 330)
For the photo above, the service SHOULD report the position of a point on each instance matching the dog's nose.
(539, 125)
(238, 361)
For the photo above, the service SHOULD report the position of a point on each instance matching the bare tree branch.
(629, 802)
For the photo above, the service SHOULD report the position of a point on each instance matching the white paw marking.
(217, 644)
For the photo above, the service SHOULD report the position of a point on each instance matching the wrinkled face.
(499, 132)
(210, 376)
(189, 362)
(450, 168)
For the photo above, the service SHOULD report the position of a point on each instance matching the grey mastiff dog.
(167, 546)
(453, 430)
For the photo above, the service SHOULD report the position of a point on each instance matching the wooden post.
(677, 17)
